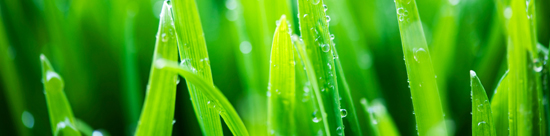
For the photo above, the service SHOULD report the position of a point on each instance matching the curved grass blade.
(217, 99)
(61, 116)
(482, 118)
(157, 114)
(499, 106)
(193, 54)
(319, 51)
(381, 120)
(281, 93)
(425, 94)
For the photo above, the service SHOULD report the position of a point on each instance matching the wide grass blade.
(321, 70)
(194, 54)
(499, 106)
(482, 117)
(425, 95)
(379, 118)
(281, 93)
(216, 97)
(157, 114)
(61, 116)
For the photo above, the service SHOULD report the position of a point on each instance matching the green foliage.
(499, 106)
(482, 117)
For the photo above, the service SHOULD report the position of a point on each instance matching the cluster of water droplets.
(402, 14)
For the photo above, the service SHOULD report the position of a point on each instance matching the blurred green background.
(103, 49)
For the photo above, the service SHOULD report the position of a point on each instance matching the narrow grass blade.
(61, 116)
(281, 93)
(347, 100)
(194, 54)
(157, 113)
(499, 106)
(370, 117)
(217, 99)
(380, 118)
(482, 118)
(426, 99)
(319, 51)
(525, 94)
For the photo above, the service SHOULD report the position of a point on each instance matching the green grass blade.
(426, 99)
(381, 118)
(217, 99)
(194, 54)
(281, 93)
(370, 117)
(482, 118)
(157, 114)
(499, 106)
(347, 100)
(61, 116)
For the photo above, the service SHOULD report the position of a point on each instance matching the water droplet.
(331, 36)
(315, 2)
(419, 53)
(231, 4)
(538, 65)
(268, 93)
(454, 2)
(316, 117)
(343, 113)
(328, 18)
(340, 131)
(28, 119)
(325, 47)
(413, 112)
(98, 133)
(164, 37)
(173, 121)
(325, 7)
(329, 67)
(481, 123)
(305, 15)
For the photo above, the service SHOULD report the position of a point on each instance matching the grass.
(270, 67)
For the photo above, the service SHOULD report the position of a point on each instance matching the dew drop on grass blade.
(218, 100)
(499, 106)
(61, 116)
(425, 95)
(482, 117)
(194, 54)
(158, 111)
(281, 93)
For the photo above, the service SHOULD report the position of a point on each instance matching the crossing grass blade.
(157, 113)
(499, 106)
(320, 52)
(61, 115)
(380, 119)
(194, 54)
(482, 118)
(281, 87)
(216, 97)
(425, 94)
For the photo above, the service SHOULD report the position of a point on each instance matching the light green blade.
(216, 97)
(281, 93)
(380, 118)
(157, 114)
(482, 117)
(61, 116)
(425, 95)
(321, 70)
(194, 54)
(499, 106)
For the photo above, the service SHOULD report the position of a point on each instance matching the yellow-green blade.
(422, 81)
(499, 106)
(157, 114)
(319, 51)
(380, 118)
(216, 97)
(482, 117)
(61, 116)
(194, 54)
(281, 93)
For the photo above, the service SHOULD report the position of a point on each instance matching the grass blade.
(61, 116)
(381, 120)
(281, 93)
(319, 51)
(217, 99)
(426, 99)
(499, 106)
(193, 54)
(482, 118)
(157, 114)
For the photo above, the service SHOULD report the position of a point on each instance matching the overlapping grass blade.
(381, 120)
(61, 116)
(157, 113)
(499, 106)
(281, 87)
(426, 99)
(216, 97)
(347, 100)
(193, 54)
(525, 95)
(482, 117)
(321, 70)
